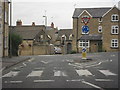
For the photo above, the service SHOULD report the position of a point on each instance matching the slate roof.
(26, 32)
(66, 32)
(91, 37)
(95, 12)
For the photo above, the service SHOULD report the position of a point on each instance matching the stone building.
(104, 33)
(35, 41)
(64, 40)
(4, 28)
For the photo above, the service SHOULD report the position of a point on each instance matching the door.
(69, 48)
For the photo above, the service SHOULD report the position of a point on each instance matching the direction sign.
(84, 50)
(85, 29)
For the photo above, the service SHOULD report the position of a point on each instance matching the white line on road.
(13, 81)
(11, 74)
(107, 72)
(44, 62)
(103, 80)
(59, 73)
(30, 60)
(37, 81)
(83, 72)
(35, 74)
(95, 86)
(24, 64)
(75, 80)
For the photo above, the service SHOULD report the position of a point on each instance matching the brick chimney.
(33, 23)
(52, 25)
(19, 23)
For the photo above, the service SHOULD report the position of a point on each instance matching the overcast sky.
(58, 11)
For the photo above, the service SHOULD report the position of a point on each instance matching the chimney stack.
(19, 23)
(52, 25)
(33, 23)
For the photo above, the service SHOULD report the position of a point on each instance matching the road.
(64, 71)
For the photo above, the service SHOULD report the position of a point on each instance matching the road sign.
(85, 29)
(84, 50)
(84, 54)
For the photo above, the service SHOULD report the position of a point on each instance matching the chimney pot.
(52, 25)
(33, 23)
(19, 23)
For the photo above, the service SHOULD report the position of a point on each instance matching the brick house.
(35, 40)
(4, 28)
(104, 34)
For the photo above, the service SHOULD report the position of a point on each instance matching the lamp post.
(45, 20)
(10, 26)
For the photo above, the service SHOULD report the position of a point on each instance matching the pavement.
(8, 62)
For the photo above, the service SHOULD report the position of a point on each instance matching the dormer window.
(115, 17)
(63, 39)
(70, 37)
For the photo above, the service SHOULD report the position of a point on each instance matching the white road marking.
(83, 72)
(24, 64)
(35, 74)
(11, 74)
(44, 62)
(95, 86)
(59, 73)
(103, 80)
(40, 68)
(113, 55)
(37, 81)
(30, 60)
(75, 80)
(107, 72)
(13, 81)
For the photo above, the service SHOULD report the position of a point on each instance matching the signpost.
(85, 29)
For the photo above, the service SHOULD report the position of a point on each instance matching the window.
(114, 29)
(114, 17)
(82, 43)
(100, 29)
(114, 43)
(100, 20)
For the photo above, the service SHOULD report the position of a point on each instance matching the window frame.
(113, 43)
(113, 27)
(82, 43)
(116, 19)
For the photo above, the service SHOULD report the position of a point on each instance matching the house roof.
(26, 32)
(94, 12)
(91, 37)
(66, 32)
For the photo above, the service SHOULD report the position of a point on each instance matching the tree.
(15, 40)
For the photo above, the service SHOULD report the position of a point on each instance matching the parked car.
(57, 50)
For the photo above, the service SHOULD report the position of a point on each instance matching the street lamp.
(45, 20)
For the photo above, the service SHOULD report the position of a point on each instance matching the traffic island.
(83, 60)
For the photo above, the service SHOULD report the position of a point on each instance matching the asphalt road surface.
(64, 71)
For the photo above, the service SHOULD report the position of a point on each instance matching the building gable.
(110, 10)
(85, 11)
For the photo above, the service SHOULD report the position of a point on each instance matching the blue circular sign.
(85, 29)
